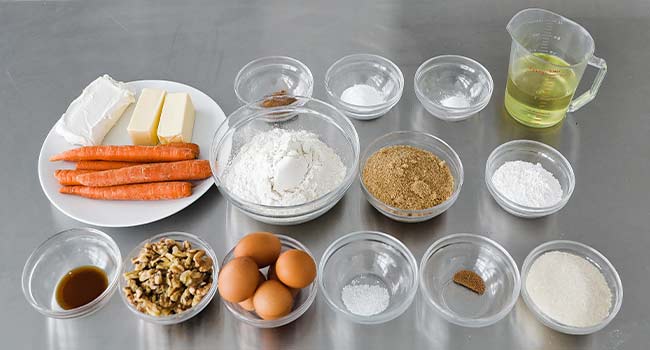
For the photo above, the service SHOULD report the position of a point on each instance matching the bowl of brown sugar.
(410, 176)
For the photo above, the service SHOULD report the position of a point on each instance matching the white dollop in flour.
(284, 167)
(527, 184)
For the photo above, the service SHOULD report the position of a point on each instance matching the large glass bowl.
(594, 257)
(61, 253)
(488, 259)
(320, 118)
(534, 152)
(424, 141)
(197, 243)
(373, 258)
(302, 301)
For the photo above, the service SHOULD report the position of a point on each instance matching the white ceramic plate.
(208, 116)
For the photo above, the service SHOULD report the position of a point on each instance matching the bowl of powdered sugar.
(529, 179)
(571, 287)
(288, 171)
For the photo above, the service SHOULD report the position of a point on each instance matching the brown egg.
(263, 247)
(272, 300)
(238, 279)
(295, 268)
(274, 276)
(248, 303)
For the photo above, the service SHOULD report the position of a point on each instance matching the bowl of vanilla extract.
(72, 274)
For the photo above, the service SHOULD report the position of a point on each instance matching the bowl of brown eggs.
(268, 280)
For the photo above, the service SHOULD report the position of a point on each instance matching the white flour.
(569, 289)
(284, 167)
(527, 184)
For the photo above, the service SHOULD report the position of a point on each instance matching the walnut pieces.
(169, 277)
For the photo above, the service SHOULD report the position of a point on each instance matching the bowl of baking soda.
(529, 179)
(364, 86)
(280, 170)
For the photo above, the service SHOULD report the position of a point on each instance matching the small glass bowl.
(320, 118)
(373, 70)
(533, 152)
(197, 243)
(453, 88)
(267, 75)
(373, 258)
(421, 140)
(302, 301)
(593, 256)
(456, 304)
(61, 253)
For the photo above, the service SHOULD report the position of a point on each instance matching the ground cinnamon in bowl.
(408, 177)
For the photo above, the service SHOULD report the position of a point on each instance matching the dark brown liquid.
(80, 286)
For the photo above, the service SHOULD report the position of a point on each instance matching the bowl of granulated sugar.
(571, 287)
(529, 179)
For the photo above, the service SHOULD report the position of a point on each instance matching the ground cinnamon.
(470, 280)
(277, 99)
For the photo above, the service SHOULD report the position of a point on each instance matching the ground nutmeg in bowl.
(408, 177)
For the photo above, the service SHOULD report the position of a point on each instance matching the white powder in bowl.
(569, 289)
(365, 299)
(527, 184)
(284, 167)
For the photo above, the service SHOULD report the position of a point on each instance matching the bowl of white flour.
(285, 171)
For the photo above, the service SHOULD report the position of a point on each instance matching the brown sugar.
(408, 177)
(470, 280)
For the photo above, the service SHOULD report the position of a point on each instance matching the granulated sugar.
(365, 299)
(569, 289)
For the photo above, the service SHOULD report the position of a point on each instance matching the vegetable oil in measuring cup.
(539, 89)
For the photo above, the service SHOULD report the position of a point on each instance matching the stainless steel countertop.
(50, 50)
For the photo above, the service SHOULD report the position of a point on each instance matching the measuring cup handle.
(589, 95)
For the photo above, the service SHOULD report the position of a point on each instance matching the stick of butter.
(177, 119)
(146, 116)
(92, 115)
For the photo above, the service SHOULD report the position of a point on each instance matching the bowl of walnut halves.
(169, 278)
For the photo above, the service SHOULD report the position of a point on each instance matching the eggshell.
(238, 279)
(272, 300)
(295, 268)
(248, 303)
(263, 247)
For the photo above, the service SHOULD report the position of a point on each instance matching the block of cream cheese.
(143, 126)
(92, 115)
(177, 118)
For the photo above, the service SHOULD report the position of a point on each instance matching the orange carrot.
(69, 177)
(102, 165)
(157, 172)
(137, 192)
(140, 154)
(193, 146)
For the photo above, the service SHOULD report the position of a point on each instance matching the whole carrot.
(157, 172)
(193, 146)
(98, 165)
(68, 177)
(137, 192)
(140, 154)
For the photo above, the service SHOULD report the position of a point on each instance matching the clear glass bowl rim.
(480, 105)
(297, 312)
(405, 212)
(385, 239)
(292, 60)
(193, 311)
(515, 145)
(575, 247)
(453, 318)
(361, 57)
(317, 203)
(84, 309)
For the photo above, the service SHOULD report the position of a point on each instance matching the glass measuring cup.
(548, 56)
